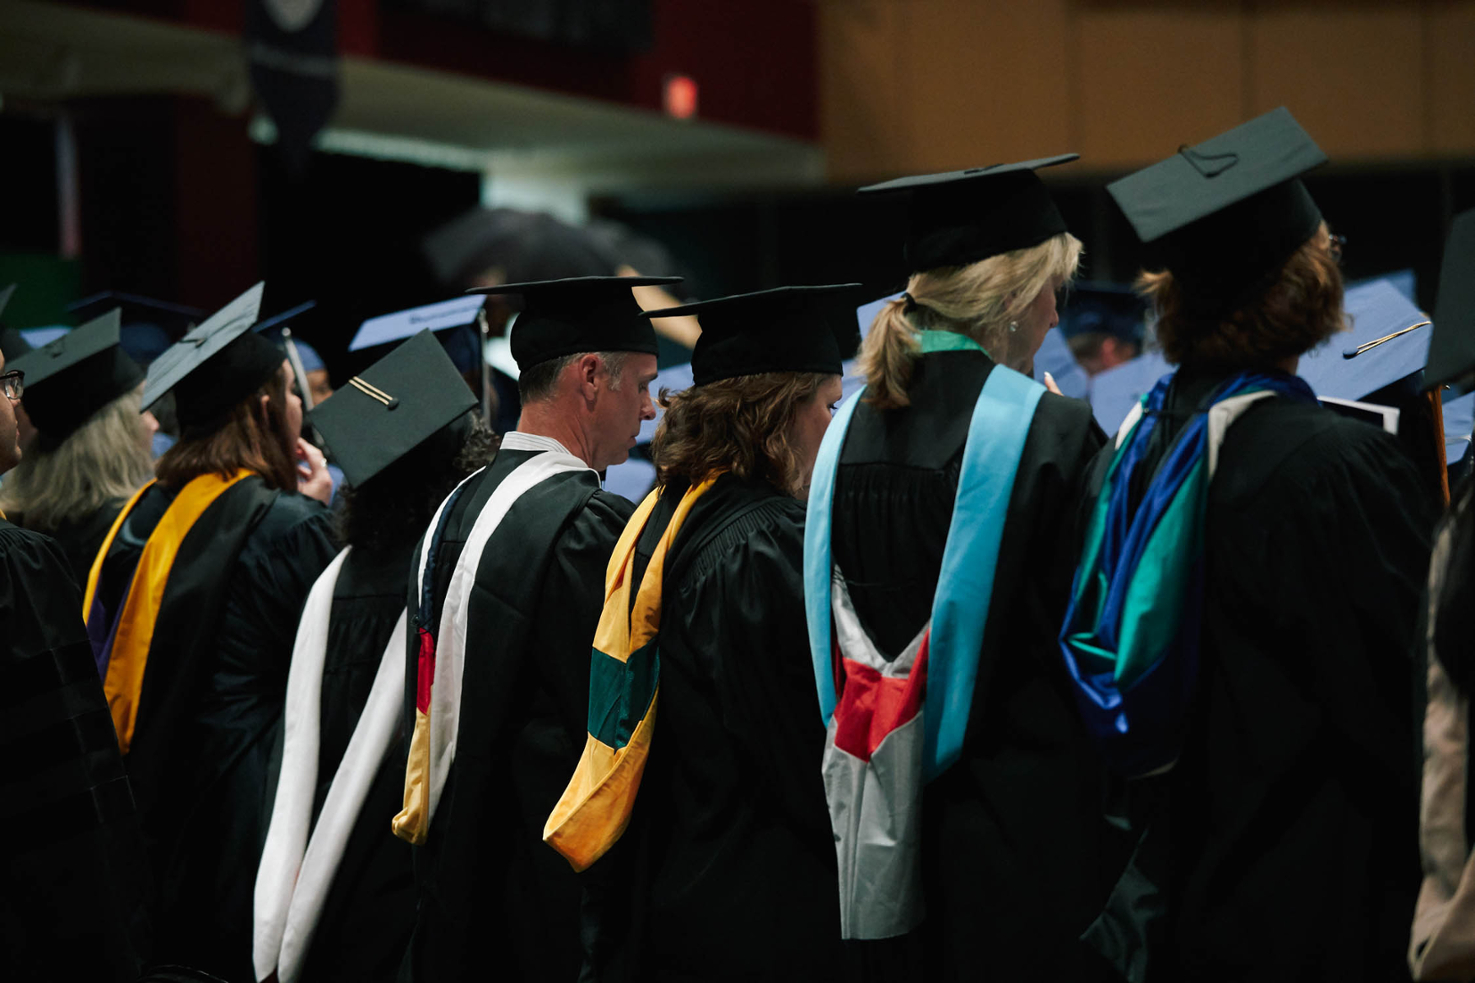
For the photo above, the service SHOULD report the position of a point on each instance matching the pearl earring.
(1013, 326)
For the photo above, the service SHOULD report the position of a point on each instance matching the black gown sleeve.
(73, 883)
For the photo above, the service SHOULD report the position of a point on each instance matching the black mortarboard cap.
(271, 330)
(963, 217)
(1225, 215)
(452, 321)
(786, 329)
(215, 365)
(71, 378)
(1452, 349)
(149, 326)
(12, 343)
(579, 314)
(393, 407)
(1105, 308)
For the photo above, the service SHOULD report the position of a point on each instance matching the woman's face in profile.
(1039, 317)
(811, 419)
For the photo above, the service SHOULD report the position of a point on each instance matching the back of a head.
(982, 244)
(979, 300)
(229, 388)
(250, 434)
(392, 509)
(67, 481)
(1242, 269)
(759, 357)
(404, 434)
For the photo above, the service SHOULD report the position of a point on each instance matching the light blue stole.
(996, 436)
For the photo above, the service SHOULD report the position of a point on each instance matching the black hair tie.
(911, 302)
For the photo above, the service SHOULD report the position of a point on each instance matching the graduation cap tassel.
(488, 395)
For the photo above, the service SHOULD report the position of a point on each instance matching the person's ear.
(589, 367)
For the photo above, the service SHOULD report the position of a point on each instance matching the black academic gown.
(369, 911)
(1016, 857)
(728, 863)
(493, 898)
(80, 540)
(1283, 845)
(208, 737)
(73, 877)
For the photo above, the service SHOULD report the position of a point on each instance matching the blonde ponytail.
(978, 301)
(886, 357)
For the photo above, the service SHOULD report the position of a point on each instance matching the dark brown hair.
(739, 425)
(393, 508)
(247, 436)
(1300, 310)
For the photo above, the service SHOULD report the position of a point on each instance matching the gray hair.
(541, 381)
(105, 459)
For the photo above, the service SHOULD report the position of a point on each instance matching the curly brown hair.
(244, 437)
(739, 425)
(1298, 311)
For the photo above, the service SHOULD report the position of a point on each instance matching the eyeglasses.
(1335, 247)
(13, 383)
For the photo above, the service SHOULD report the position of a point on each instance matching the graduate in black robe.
(1279, 842)
(73, 880)
(727, 869)
(399, 464)
(1442, 943)
(194, 651)
(91, 451)
(492, 897)
(1014, 854)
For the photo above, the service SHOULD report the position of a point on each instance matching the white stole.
(297, 869)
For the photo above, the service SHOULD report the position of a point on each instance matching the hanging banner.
(292, 47)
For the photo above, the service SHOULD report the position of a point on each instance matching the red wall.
(755, 62)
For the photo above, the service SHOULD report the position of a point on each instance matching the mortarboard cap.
(271, 330)
(149, 326)
(962, 217)
(71, 378)
(452, 321)
(12, 343)
(1107, 308)
(786, 329)
(579, 314)
(215, 365)
(1387, 342)
(1226, 214)
(393, 407)
(1452, 349)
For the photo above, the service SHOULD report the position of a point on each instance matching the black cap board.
(452, 321)
(1104, 308)
(393, 407)
(1452, 349)
(1227, 213)
(71, 378)
(215, 365)
(175, 319)
(963, 217)
(12, 343)
(578, 314)
(271, 330)
(786, 329)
